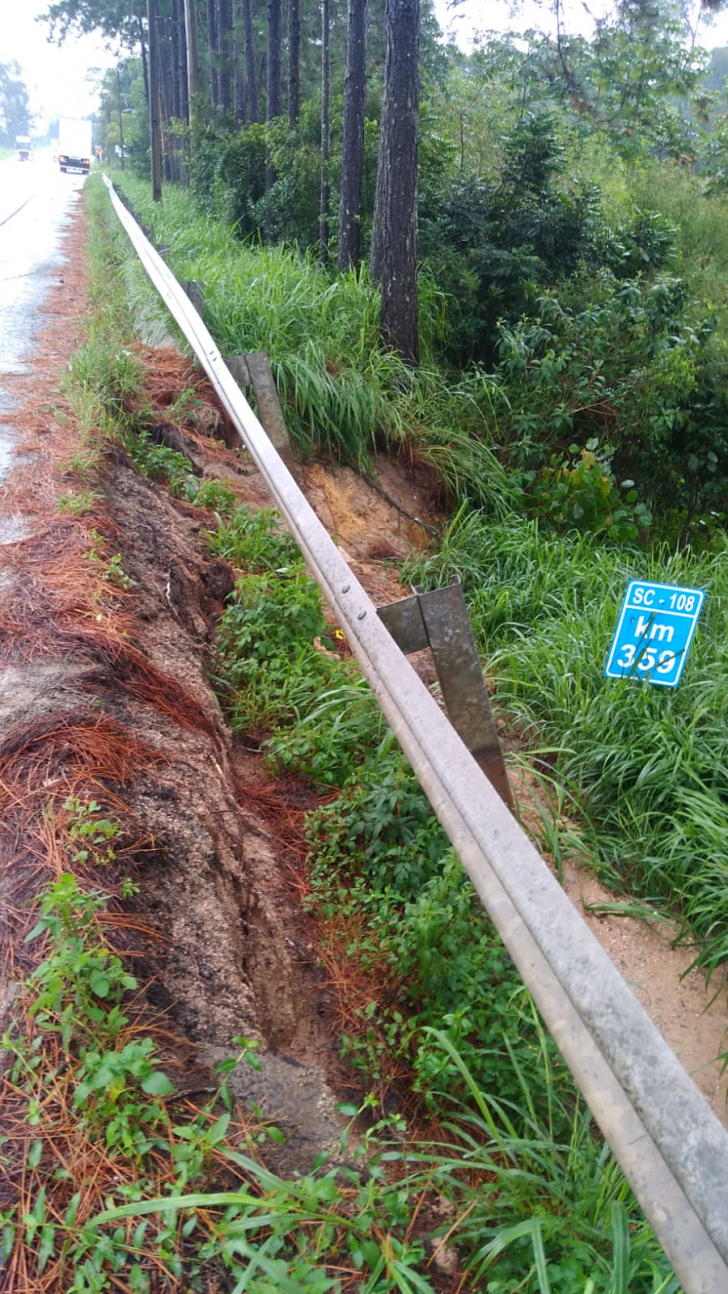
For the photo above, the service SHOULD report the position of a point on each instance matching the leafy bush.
(583, 495)
(632, 371)
(494, 247)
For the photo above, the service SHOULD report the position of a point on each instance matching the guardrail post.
(195, 293)
(253, 370)
(440, 620)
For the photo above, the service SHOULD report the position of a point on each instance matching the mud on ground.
(212, 878)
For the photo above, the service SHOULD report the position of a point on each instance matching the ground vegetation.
(113, 1174)
(569, 396)
(537, 445)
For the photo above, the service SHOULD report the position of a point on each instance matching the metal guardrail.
(668, 1142)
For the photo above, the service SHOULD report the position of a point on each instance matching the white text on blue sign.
(654, 632)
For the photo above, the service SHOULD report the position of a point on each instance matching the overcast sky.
(60, 78)
(57, 76)
(460, 20)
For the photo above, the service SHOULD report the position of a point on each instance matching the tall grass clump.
(648, 765)
(343, 392)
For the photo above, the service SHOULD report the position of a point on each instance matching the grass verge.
(647, 767)
(343, 394)
(512, 1171)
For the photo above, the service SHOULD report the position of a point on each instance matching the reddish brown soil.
(106, 695)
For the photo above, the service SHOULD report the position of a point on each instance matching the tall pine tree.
(394, 234)
(352, 159)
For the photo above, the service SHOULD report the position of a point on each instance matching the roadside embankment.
(235, 871)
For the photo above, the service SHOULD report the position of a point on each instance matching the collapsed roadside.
(127, 779)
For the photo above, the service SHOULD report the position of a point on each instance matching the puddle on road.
(29, 258)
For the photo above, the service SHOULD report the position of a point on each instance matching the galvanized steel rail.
(667, 1140)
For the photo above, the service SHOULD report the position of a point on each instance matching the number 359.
(648, 659)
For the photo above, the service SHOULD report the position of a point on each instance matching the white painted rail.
(668, 1142)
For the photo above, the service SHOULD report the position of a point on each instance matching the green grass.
(343, 393)
(447, 1007)
(648, 766)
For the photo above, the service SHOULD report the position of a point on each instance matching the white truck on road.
(74, 145)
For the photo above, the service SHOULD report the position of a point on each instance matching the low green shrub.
(582, 494)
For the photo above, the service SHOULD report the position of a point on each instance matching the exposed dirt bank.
(106, 691)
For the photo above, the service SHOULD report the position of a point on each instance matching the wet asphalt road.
(36, 205)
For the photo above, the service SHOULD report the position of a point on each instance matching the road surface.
(36, 203)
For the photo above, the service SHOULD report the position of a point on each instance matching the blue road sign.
(654, 631)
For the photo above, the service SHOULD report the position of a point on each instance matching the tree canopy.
(15, 118)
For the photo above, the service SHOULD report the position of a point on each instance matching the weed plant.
(91, 1083)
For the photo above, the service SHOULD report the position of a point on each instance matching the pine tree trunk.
(325, 128)
(154, 130)
(238, 76)
(175, 97)
(213, 48)
(183, 111)
(251, 76)
(165, 58)
(352, 159)
(193, 56)
(273, 84)
(224, 41)
(294, 61)
(394, 236)
(145, 64)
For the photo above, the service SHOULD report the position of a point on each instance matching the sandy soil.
(691, 1014)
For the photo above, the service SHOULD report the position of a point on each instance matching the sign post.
(654, 631)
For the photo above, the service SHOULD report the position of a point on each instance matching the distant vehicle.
(24, 147)
(74, 145)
